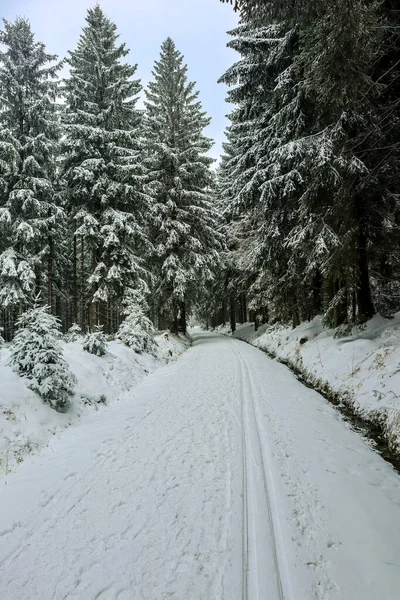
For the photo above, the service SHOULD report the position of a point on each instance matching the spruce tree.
(310, 176)
(179, 183)
(102, 172)
(37, 355)
(260, 198)
(30, 217)
(136, 331)
(96, 342)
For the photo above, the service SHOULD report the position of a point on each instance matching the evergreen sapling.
(36, 354)
(95, 342)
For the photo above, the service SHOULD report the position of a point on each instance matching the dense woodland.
(309, 181)
(107, 211)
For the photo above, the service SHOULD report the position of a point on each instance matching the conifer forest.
(108, 210)
(200, 300)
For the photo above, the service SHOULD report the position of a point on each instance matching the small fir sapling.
(136, 331)
(37, 355)
(74, 333)
(95, 342)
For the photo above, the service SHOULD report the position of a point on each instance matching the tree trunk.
(232, 312)
(38, 283)
(256, 321)
(328, 293)
(317, 294)
(174, 327)
(244, 305)
(295, 313)
(183, 317)
(341, 308)
(94, 305)
(75, 283)
(82, 287)
(223, 312)
(264, 315)
(365, 306)
(50, 270)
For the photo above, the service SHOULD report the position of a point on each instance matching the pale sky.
(198, 28)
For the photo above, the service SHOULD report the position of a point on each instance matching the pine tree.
(74, 333)
(37, 355)
(102, 171)
(260, 199)
(95, 342)
(30, 217)
(179, 185)
(310, 176)
(136, 330)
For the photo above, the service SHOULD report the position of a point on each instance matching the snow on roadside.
(170, 346)
(361, 369)
(27, 424)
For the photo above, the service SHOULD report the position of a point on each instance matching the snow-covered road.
(222, 477)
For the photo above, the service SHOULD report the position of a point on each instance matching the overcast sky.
(198, 28)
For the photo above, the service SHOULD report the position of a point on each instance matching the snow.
(219, 476)
(27, 424)
(361, 367)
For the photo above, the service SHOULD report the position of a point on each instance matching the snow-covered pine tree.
(136, 330)
(332, 229)
(30, 218)
(179, 185)
(381, 152)
(313, 160)
(101, 150)
(95, 342)
(226, 296)
(37, 355)
(344, 156)
(74, 333)
(267, 114)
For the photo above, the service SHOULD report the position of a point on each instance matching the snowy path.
(222, 478)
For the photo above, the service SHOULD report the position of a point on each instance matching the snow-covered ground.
(27, 424)
(219, 477)
(362, 369)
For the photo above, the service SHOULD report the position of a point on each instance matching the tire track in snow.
(259, 559)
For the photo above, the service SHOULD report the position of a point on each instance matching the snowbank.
(27, 424)
(362, 369)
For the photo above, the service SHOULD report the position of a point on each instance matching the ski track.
(222, 478)
(260, 551)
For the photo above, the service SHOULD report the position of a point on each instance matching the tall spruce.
(30, 217)
(313, 160)
(259, 197)
(180, 187)
(102, 171)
